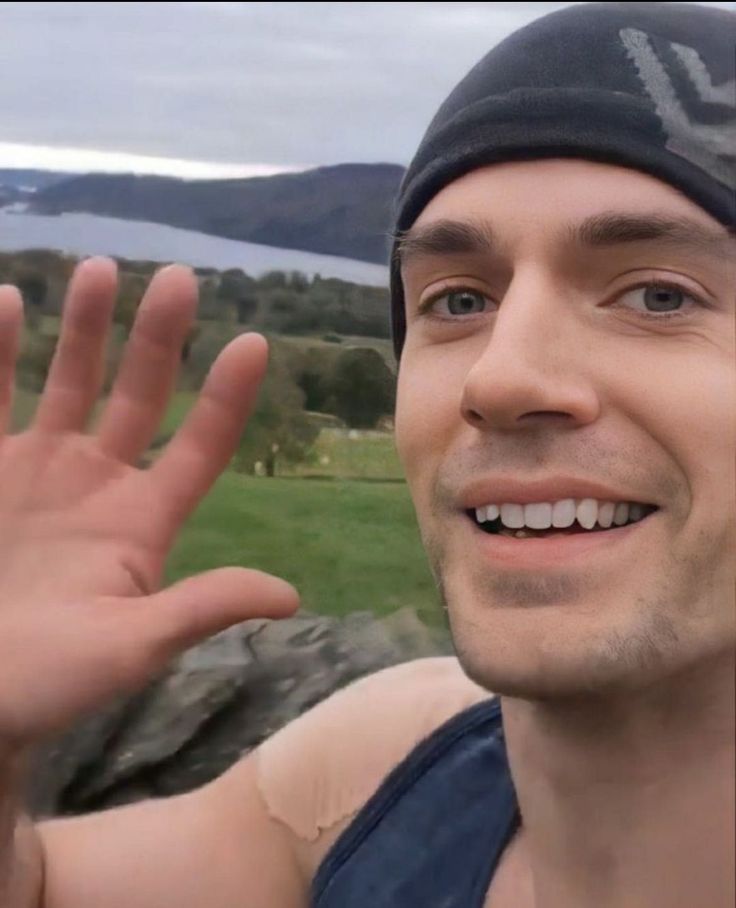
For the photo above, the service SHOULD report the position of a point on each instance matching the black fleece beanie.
(650, 86)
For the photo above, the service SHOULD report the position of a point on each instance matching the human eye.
(455, 303)
(659, 296)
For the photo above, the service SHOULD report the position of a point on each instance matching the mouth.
(555, 547)
(496, 527)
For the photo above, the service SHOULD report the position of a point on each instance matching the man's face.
(534, 355)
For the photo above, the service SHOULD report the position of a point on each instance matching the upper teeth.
(561, 514)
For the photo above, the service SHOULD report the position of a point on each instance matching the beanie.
(651, 86)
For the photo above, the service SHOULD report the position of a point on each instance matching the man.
(563, 291)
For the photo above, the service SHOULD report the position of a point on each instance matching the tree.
(278, 429)
(132, 288)
(33, 287)
(299, 281)
(312, 369)
(361, 387)
(239, 290)
(274, 280)
(130, 293)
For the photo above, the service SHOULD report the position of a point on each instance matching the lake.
(89, 234)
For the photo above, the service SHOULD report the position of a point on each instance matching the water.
(89, 234)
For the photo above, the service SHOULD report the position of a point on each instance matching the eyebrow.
(445, 237)
(603, 230)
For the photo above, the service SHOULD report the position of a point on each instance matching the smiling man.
(563, 285)
(569, 352)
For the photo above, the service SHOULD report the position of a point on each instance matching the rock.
(215, 703)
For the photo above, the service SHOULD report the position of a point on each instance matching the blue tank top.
(433, 833)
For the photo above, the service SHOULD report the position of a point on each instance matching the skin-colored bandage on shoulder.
(321, 768)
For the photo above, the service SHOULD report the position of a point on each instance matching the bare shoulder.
(257, 834)
(316, 773)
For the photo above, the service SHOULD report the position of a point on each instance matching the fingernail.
(174, 266)
(97, 261)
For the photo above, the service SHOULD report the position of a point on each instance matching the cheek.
(710, 439)
(684, 400)
(427, 414)
(407, 425)
(700, 405)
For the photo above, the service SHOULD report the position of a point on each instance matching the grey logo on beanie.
(711, 147)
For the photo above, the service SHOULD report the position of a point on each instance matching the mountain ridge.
(343, 210)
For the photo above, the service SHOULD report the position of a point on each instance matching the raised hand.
(84, 533)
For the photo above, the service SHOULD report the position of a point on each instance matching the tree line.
(322, 361)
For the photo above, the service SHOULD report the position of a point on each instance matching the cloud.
(75, 160)
(280, 84)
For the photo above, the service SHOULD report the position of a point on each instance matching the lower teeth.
(541, 534)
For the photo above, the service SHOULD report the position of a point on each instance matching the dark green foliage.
(362, 389)
(240, 290)
(355, 385)
(312, 373)
(279, 429)
(33, 286)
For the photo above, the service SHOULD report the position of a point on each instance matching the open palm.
(84, 533)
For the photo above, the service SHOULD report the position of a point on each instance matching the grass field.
(346, 543)
(346, 546)
(362, 455)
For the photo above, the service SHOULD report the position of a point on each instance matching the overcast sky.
(255, 86)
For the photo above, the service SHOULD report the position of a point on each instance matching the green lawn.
(346, 546)
(24, 406)
(361, 455)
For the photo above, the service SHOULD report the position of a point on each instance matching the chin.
(561, 654)
(521, 681)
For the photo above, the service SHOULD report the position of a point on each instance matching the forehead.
(560, 203)
(547, 197)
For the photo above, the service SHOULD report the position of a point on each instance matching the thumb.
(200, 606)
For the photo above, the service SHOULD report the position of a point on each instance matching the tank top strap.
(432, 834)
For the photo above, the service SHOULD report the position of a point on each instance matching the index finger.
(208, 438)
(11, 316)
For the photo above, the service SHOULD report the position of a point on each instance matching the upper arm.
(316, 773)
(255, 836)
(215, 846)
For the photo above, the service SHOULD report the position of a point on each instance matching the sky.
(234, 89)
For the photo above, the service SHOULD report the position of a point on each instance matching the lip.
(511, 490)
(552, 551)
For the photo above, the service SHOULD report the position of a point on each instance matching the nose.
(536, 365)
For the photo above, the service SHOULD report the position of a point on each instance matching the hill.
(344, 210)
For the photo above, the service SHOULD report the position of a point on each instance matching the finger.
(77, 369)
(207, 440)
(11, 318)
(150, 365)
(164, 624)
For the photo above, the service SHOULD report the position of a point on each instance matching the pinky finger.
(11, 317)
